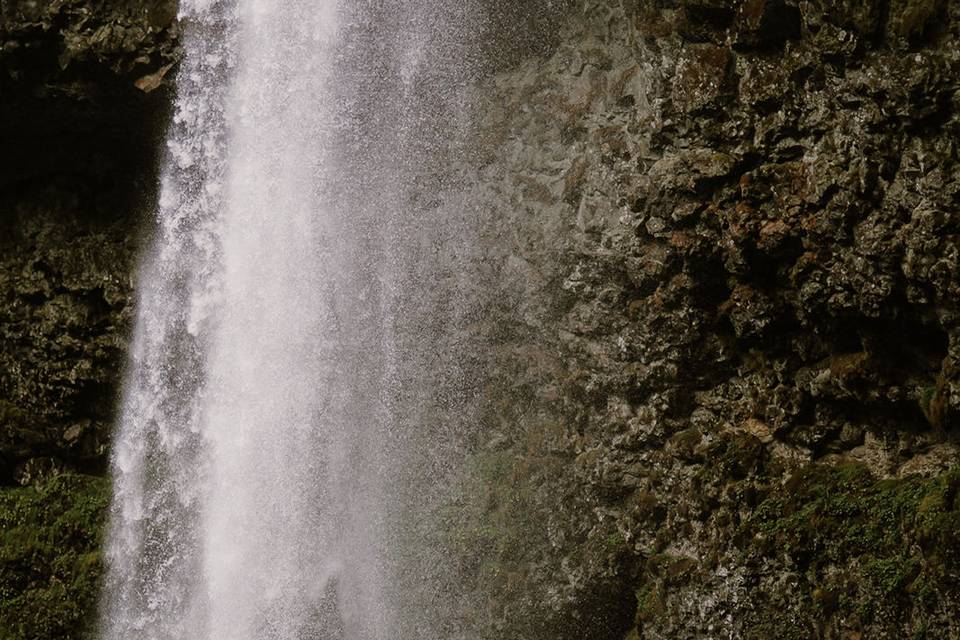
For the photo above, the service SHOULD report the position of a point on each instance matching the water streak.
(290, 322)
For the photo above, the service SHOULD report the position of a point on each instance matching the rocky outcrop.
(726, 385)
(730, 383)
(50, 560)
(84, 100)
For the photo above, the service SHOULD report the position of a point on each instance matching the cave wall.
(728, 389)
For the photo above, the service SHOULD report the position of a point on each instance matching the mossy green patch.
(650, 604)
(507, 526)
(892, 542)
(50, 564)
(502, 530)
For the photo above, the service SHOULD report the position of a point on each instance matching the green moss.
(732, 456)
(781, 626)
(650, 604)
(50, 563)
(933, 402)
(509, 528)
(891, 575)
(614, 542)
(502, 532)
(499, 529)
(892, 542)
(669, 568)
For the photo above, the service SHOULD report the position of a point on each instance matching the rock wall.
(83, 100)
(728, 380)
(725, 388)
(81, 117)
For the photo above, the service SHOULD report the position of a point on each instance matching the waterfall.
(298, 378)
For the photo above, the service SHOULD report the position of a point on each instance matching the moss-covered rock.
(878, 557)
(78, 174)
(50, 558)
(741, 260)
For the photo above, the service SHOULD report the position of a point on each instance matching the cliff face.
(726, 391)
(82, 111)
(730, 397)
(82, 107)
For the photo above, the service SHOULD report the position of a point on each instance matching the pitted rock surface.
(730, 236)
(84, 93)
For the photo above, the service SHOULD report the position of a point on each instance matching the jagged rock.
(725, 397)
(757, 328)
(77, 178)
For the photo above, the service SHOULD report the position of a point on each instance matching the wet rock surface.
(728, 391)
(83, 99)
(726, 386)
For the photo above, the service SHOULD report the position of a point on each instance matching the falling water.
(298, 375)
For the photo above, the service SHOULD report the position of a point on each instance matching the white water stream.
(295, 320)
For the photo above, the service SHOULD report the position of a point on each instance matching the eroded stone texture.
(730, 393)
(726, 393)
(83, 98)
